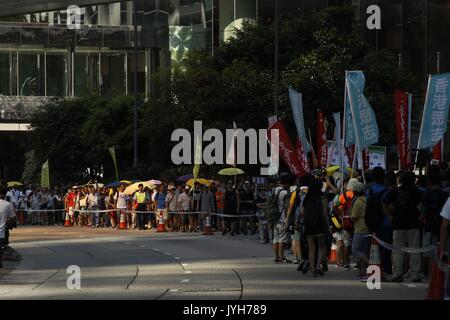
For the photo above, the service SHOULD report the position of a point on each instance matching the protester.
(184, 204)
(431, 206)
(160, 204)
(195, 196)
(7, 218)
(172, 208)
(206, 204)
(361, 239)
(402, 205)
(315, 220)
(247, 206)
(265, 233)
(231, 208)
(121, 204)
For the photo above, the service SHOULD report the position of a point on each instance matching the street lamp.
(276, 67)
(135, 149)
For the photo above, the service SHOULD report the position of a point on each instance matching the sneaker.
(295, 261)
(324, 266)
(277, 261)
(397, 279)
(301, 265)
(364, 278)
(232, 233)
(416, 280)
(407, 275)
(305, 268)
(224, 232)
(286, 260)
(319, 272)
(347, 267)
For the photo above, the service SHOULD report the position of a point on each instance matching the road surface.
(133, 264)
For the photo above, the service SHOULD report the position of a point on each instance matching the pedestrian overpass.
(10, 8)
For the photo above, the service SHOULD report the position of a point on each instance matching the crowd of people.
(309, 215)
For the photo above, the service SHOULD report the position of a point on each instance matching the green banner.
(112, 151)
(45, 175)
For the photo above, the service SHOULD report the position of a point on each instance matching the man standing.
(195, 206)
(160, 204)
(183, 206)
(207, 204)
(247, 199)
(172, 207)
(231, 208)
(7, 216)
(141, 200)
(280, 236)
(121, 202)
(402, 205)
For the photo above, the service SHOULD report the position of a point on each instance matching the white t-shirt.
(11, 197)
(6, 212)
(121, 201)
(281, 196)
(445, 213)
(183, 202)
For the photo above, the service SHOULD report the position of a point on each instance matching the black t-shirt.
(246, 196)
(406, 211)
(432, 202)
(196, 199)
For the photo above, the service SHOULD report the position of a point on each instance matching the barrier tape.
(440, 264)
(136, 211)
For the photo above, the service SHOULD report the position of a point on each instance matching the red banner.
(366, 160)
(401, 115)
(322, 148)
(437, 151)
(350, 155)
(302, 156)
(287, 152)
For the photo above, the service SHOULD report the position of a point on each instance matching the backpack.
(374, 211)
(273, 214)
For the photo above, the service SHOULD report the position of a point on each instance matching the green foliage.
(234, 85)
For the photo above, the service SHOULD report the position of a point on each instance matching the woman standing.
(315, 221)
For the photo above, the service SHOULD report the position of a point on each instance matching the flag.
(45, 175)
(338, 143)
(232, 156)
(302, 156)
(197, 155)
(364, 120)
(286, 150)
(435, 111)
(321, 140)
(350, 135)
(402, 119)
(350, 150)
(297, 110)
(112, 151)
(437, 151)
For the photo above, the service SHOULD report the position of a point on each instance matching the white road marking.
(156, 249)
(188, 271)
(127, 242)
(411, 285)
(167, 253)
(173, 290)
(143, 246)
(185, 281)
(185, 264)
(176, 258)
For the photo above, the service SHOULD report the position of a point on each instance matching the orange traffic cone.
(123, 222)
(374, 258)
(161, 224)
(332, 258)
(208, 230)
(67, 222)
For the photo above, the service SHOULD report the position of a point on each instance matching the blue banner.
(297, 110)
(364, 120)
(435, 111)
(350, 135)
(337, 143)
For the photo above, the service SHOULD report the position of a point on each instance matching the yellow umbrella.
(14, 184)
(231, 172)
(333, 169)
(135, 187)
(126, 181)
(206, 182)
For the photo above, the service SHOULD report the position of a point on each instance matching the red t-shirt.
(71, 199)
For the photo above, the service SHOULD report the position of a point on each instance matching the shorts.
(279, 234)
(296, 236)
(361, 245)
(71, 212)
(343, 235)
